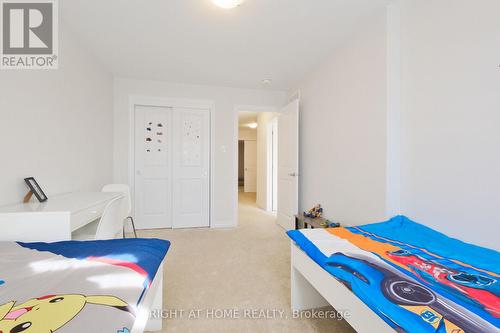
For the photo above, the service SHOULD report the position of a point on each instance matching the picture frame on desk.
(35, 189)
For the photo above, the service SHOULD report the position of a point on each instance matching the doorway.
(256, 158)
(247, 166)
(276, 136)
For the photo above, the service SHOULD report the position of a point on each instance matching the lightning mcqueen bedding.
(93, 286)
(416, 279)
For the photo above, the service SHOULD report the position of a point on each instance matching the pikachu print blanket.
(93, 286)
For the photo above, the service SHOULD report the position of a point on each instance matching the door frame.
(237, 110)
(272, 165)
(134, 101)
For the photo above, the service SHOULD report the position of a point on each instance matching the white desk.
(53, 220)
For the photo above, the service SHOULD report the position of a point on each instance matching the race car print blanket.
(76, 287)
(416, 279)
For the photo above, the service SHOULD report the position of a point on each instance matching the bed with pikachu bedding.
(94, 286)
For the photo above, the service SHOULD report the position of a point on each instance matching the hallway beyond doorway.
(257, 157)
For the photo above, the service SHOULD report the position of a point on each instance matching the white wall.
(56, 125)
(450, 116)
(433, 143)
(343, 129)
(224, 127)
(247, 134)
(263, 120)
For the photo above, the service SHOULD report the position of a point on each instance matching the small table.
(302, 222)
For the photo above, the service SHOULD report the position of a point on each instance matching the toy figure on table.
(314, 212)
(317, 212)
(330, 224)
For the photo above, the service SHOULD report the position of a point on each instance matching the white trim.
(135, 100)
(237, 109)
(253, 108)
(293, 96)
(223, 225)
(271, 129)
(269, 166)
(272, 173)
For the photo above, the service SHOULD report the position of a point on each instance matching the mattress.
(92, 286)
(415, 278)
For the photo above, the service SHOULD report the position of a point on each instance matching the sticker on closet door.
(191, 140)
(156, 145)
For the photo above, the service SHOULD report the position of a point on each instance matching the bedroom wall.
(343, 128)
(224, 200)
(56, 125)
(450, 116)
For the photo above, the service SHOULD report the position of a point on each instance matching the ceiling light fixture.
(267, 81)
(253, 125)
(228, 4)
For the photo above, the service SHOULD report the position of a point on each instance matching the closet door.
(153, 167)
(191, 168)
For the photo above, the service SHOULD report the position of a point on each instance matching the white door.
(153, 167)
(250, 178)
(274, 165)
(288, 165)
(191, 160)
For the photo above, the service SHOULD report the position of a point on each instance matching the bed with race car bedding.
(414, 278)
(91, 286)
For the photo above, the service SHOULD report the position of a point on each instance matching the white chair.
(127, 206)
(109, 226)
(111, 223)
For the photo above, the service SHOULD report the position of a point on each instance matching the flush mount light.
(267, 81)
(228, 4)
(253, 125)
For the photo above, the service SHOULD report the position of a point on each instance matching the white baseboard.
(223, 225)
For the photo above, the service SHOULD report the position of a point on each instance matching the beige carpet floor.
(237, 270)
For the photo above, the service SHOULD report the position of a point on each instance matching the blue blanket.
(415, 278)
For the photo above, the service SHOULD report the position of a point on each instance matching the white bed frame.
(153, 300)
(312, 287)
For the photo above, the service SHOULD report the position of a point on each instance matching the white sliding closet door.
(191, 168)
(172, 167)
(153, 167)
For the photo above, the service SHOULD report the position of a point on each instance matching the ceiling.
(246, 117)
(193, 41)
